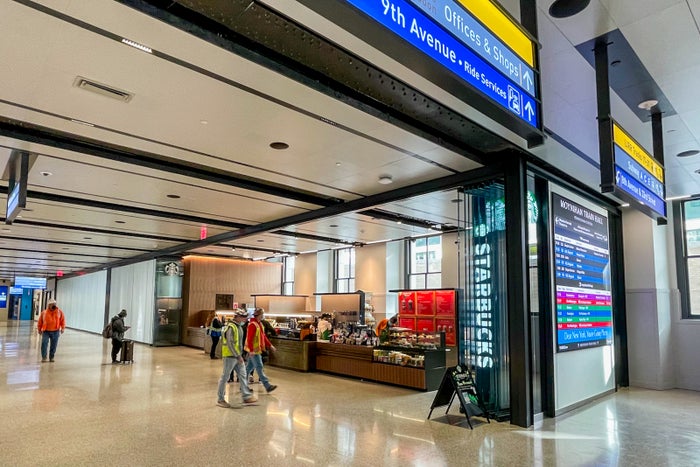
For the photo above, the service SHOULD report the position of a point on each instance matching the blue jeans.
(231, 364)
(255, 363)
(45, 337)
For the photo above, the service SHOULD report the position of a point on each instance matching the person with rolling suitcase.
(118, 341)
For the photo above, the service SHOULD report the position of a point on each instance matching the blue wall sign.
(3, 296)
(422, 33)
(471, 33)
(624, 162)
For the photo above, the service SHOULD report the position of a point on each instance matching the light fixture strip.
(136, 45)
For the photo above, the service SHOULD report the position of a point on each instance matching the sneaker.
(250, 400)
(51, 360)
(250, 380)
(271, 388)
(224, 404)
(43, 360)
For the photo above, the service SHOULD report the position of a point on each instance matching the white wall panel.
(133, 289)
(82, 299)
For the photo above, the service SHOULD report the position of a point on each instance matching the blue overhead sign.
(30, 282)
(471, 33)
(636, 190)
(422, 33)
(624, 162)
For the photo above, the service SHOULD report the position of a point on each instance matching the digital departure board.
(582, 276)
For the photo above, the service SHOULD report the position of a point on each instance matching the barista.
(325, 328)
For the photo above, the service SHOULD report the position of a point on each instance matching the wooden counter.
(357, 361)
(293, 354)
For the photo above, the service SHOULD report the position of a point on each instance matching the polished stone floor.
(162, 410)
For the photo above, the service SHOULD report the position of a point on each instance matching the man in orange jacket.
(52, 323)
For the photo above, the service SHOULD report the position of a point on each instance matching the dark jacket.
(118, 328)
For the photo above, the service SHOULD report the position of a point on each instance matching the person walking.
(213, 326)
(118, 330)
(51, 324)
(257, 343)
(232, 342)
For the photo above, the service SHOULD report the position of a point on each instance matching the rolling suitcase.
(127, 352)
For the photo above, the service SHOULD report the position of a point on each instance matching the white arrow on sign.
(528, 80)
(529, 110)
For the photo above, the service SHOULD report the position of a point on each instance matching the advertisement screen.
(582, 276)
(3, 296)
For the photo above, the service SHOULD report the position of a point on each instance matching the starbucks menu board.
(582, 276)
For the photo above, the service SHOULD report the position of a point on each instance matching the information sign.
(470, 32)
(503, 27)
(582, 276)
(445, 302)
(632, 174)
(425, 301)
(458, 381)
(414, 27)
(30, 282)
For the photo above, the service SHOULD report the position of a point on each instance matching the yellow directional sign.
(503, 27)
(622, 139)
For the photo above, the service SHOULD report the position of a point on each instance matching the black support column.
(518, 293)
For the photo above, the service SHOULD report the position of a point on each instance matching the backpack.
(107, 331)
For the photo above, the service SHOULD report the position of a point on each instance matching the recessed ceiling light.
(174, 196)
(337, 164)
(456, 200)
(65, 248)
(119, 222)
(279, 145)
(46, 174)
(399, 222)
(136, 45)
(260, 241)
(204, 122)
(87, 238)
(385, 180)
(647, 105)
(333, 225)
(6, 229)
(233, 248)
(615, 63)
(567, 8)
(692, 152)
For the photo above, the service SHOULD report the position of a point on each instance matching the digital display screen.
(582, 276)
(3, 296)
(30, 282)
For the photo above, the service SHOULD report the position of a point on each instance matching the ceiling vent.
(102, 89)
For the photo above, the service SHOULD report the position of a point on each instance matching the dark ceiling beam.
(444, 183)
(4, 248)
(63, 199)
(77, 244)
(24, 131)
(53, 225)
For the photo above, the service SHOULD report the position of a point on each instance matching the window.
(688, 256)
(288, 275)
(425, 262)
(344, 279)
